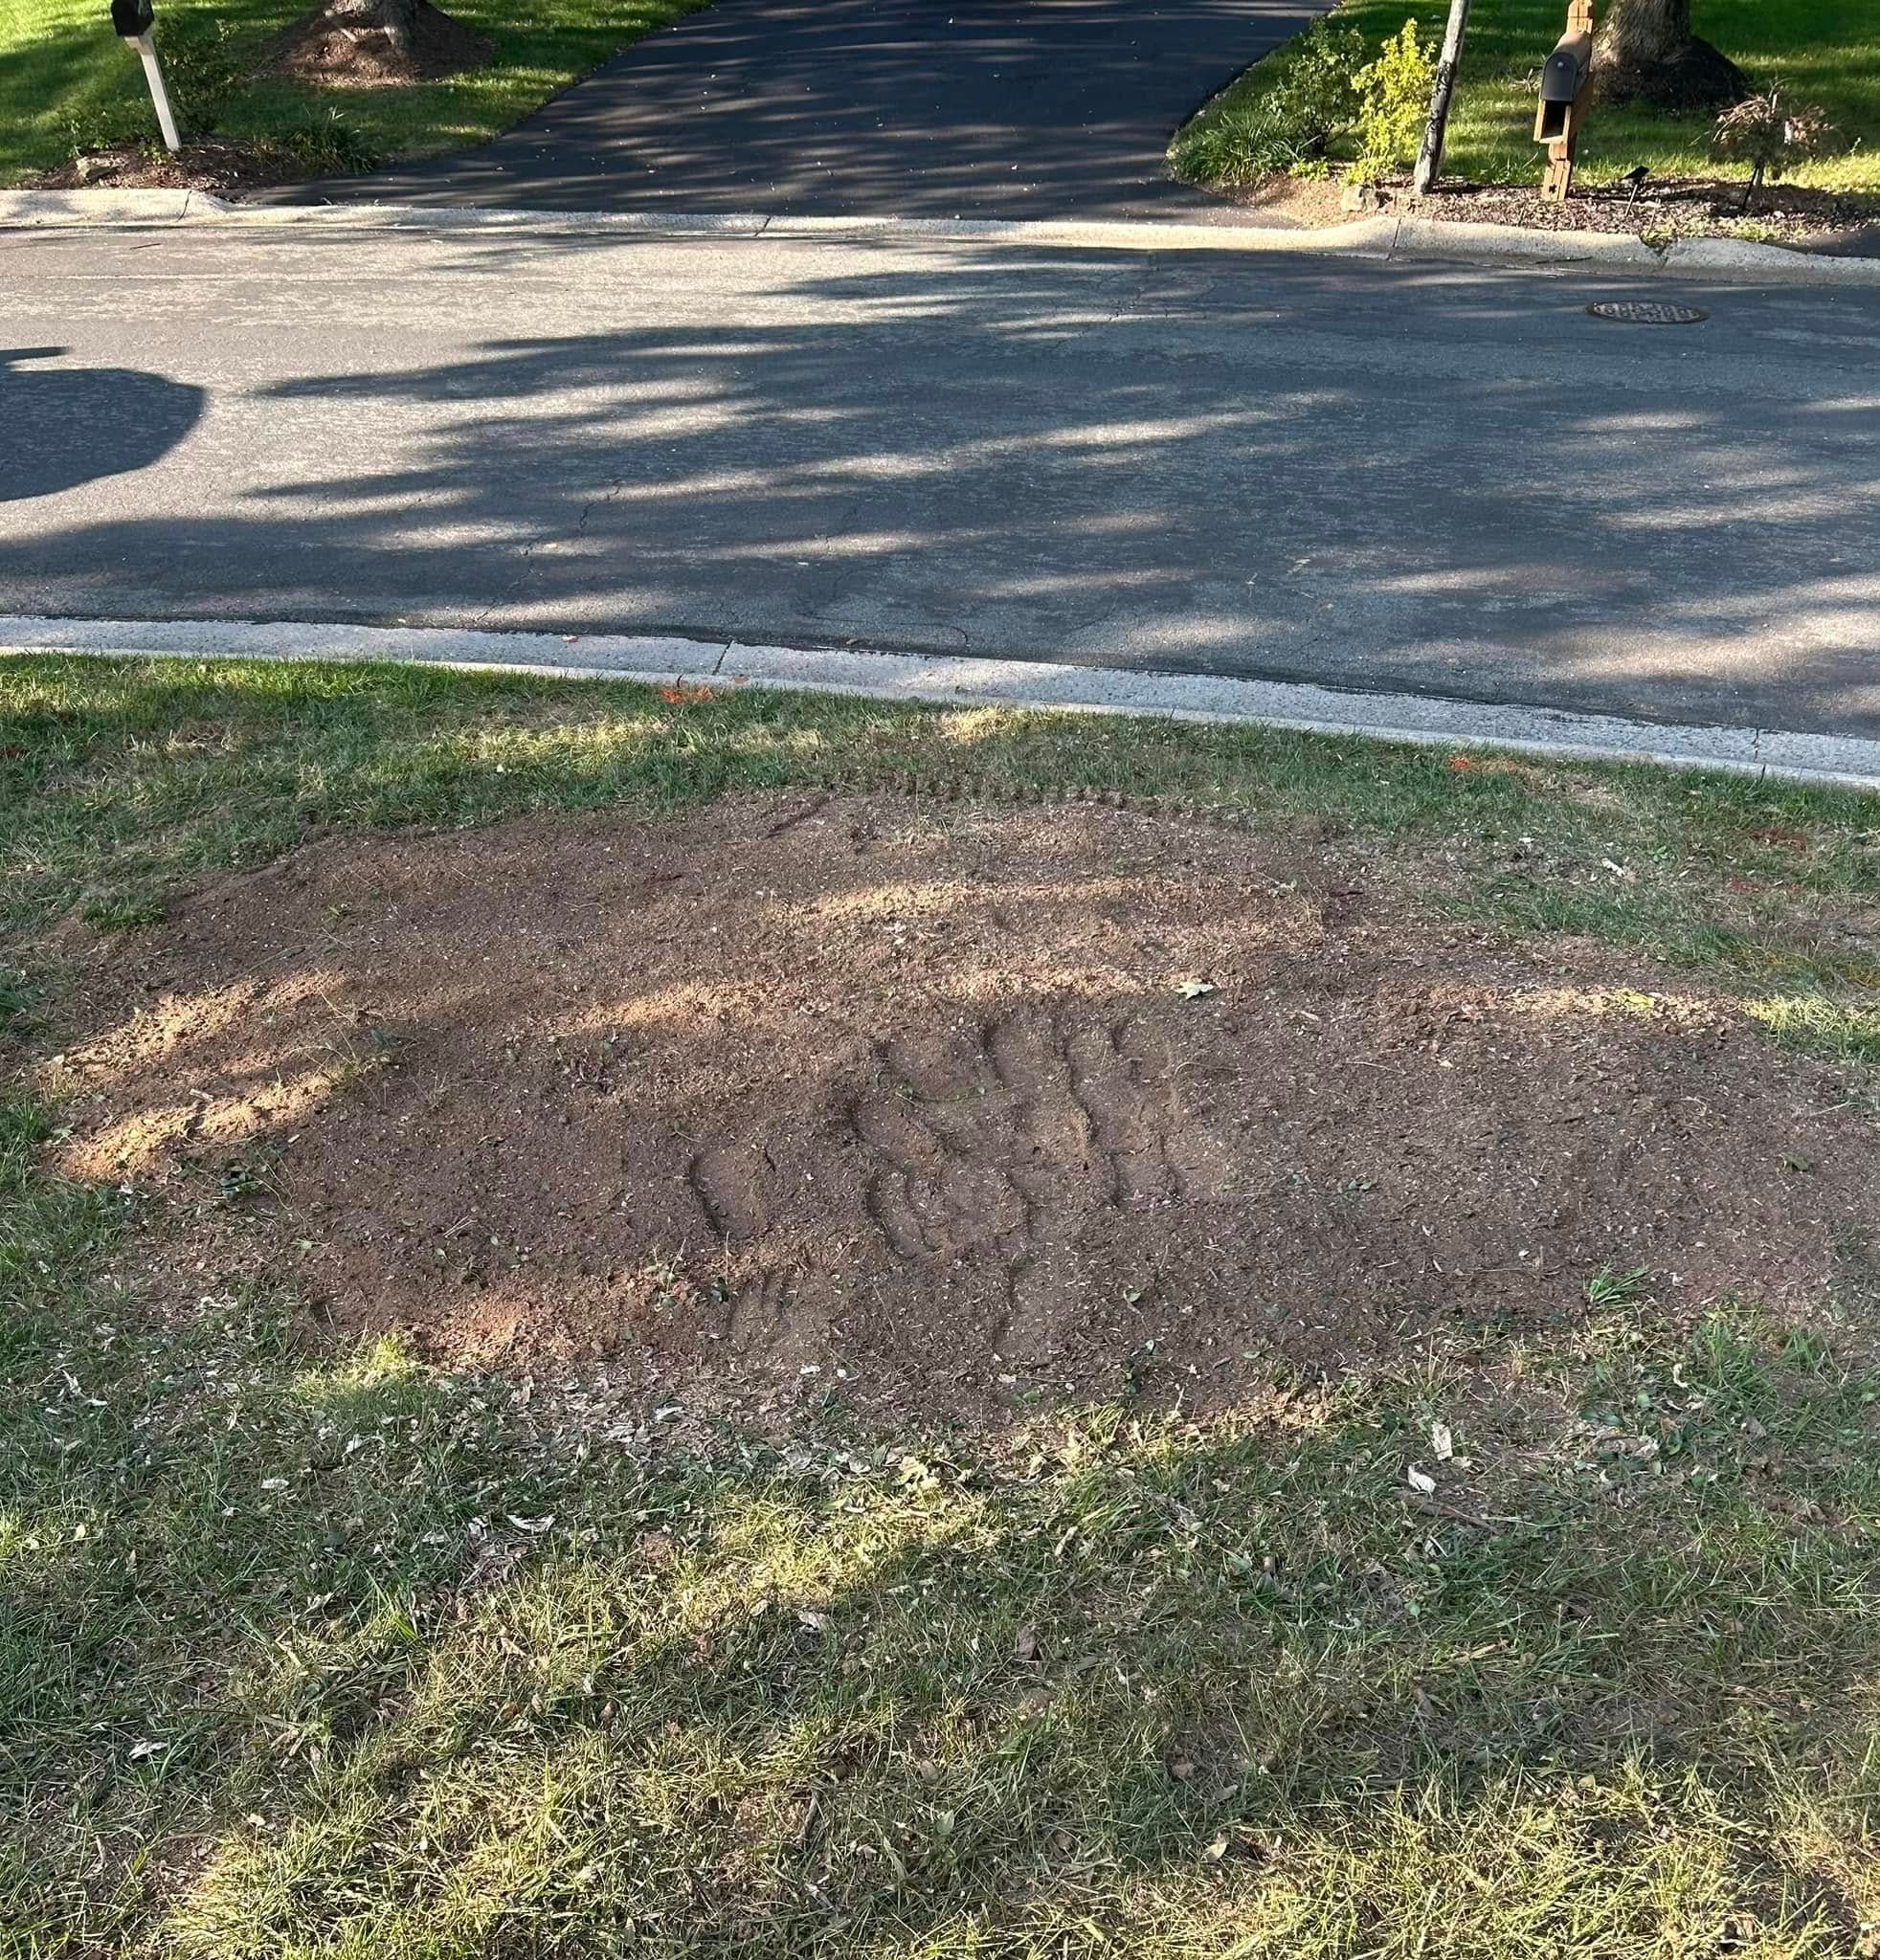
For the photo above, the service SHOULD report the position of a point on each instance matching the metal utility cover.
(1647, 313)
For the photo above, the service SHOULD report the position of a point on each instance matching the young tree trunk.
(1646, 51)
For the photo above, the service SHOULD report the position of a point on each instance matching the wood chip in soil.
(808, 1093)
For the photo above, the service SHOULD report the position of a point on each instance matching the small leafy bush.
(1289, 126)
(1393, 104)
(200, 66)
(201, 70)
(1764, 132)
(127, 124)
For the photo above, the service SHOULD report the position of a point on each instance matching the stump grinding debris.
(931, 1106)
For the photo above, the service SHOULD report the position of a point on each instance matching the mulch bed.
(1684, 207)
(1782, 213)
(935, 1107)
(210, 163)
(338, 54)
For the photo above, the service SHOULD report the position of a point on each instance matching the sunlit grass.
(486, 1682)
(1848, 1031)
(1825, 52)
(66, 81)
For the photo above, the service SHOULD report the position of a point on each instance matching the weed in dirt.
(18, 997)
(325, 143)
(121, 913)
(1609, 1288)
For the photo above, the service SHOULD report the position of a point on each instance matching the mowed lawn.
(68, 83)
(1825, 52)
(313, 1648)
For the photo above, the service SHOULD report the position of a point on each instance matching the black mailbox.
(132, 17)
(1562, 81)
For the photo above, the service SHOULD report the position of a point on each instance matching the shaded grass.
(313, 1652)
(120, 781)
(1826, 52)
(67, 83)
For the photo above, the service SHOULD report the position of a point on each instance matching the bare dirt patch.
(342, 54)
(907, 1101)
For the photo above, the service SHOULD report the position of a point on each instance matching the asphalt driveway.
(938, 108)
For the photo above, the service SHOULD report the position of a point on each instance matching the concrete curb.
(1505, 244)
(107, 207)
(959, 682)
(1388, 238)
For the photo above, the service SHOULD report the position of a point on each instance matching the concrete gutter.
(1387, 238)
(958, 681)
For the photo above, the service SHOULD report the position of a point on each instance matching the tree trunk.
(397, 17)
(399, 20)
(1646, 51)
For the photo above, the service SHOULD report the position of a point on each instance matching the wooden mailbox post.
(1563, 100)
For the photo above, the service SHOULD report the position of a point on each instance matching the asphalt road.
(1444, 479)
(914, 107)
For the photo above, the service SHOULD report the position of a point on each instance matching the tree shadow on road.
(1341, 474)
(70, 425)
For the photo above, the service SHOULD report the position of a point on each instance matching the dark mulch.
(1841, 222)
(1684, 207)
(337, 53)
(210, 163)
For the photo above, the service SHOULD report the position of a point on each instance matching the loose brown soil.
(206, 163)
(810, 1093)
(337, 53)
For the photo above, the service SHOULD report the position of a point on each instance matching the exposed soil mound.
(339, 53)
(823, 1092)
(1697, 77)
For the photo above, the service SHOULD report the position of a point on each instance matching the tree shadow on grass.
(466, 1690)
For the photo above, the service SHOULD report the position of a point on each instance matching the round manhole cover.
(1647, 313)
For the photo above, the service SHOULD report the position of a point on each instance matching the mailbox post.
(135, 20)
(1563, 100)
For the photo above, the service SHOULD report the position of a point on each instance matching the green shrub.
(127, 124)
(1393, 104)
(1313, 98)
(201, 68)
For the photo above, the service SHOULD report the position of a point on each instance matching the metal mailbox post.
(1563, 100)
(134, 20)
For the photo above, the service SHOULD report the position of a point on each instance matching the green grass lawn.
(66, 81)
(1827, 52)
(308, 1649)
